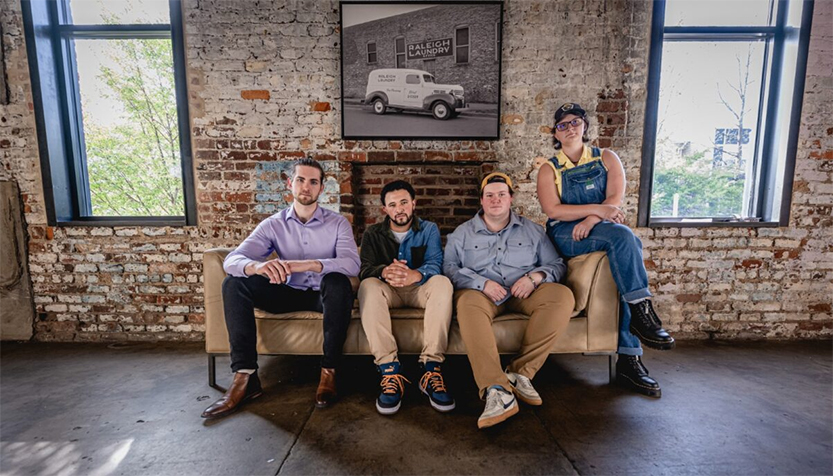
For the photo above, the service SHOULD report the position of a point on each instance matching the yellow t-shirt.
(565, 162)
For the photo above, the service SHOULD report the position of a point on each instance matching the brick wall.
(264, 89)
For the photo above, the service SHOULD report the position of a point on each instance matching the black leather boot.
(646, 325)
(632, 374)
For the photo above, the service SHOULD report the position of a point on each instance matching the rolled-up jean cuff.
(637, 295)
(629, 351)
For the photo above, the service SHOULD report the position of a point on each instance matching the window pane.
(706, 129)
(131, 125)
(107, 12)
(717, 12)
(400, 45)
(400, 61)
(463, 54)
(462, 37)
(371, 58)
(371, 47)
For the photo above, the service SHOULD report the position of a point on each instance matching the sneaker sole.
(629, 384)
(654, 344)
(437, 406)
(486, 423)
(534, 402)
(387, 411)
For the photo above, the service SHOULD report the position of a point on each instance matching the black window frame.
(777, 35)
(375, 52)
(467, 46)
(397, 53)
(58, 113)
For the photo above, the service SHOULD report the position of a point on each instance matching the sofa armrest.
(216, 335)
(591, 281)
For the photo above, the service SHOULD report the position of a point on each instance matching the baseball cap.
(569, 108)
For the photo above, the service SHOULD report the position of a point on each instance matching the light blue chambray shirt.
(473, 254)
(326, 237)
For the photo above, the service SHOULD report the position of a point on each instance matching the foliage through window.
(724, 111)
(120, 87)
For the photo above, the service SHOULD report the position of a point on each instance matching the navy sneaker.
(432, 384)
(393, 388)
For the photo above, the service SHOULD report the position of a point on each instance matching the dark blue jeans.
(624, 251)
(242, 295)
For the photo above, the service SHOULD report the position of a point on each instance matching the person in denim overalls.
(581, 190)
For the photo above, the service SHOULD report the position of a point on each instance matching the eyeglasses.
(562, 126)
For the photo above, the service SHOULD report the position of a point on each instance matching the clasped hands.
(521, 289)
(605, 212)
(399, 275)
(278, 270)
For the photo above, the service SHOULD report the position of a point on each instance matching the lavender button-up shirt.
(326, 237)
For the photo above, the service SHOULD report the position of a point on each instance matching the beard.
(306, 199)
(403, 219)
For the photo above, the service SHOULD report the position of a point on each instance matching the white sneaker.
(500, 405)
(523, 389)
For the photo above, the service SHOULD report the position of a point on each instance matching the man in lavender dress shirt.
(316, 253)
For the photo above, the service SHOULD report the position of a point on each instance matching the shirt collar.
(480, 223)
(586, 156)
(318, 214)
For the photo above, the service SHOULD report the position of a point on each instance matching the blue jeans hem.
(629, 351)
(638, 294)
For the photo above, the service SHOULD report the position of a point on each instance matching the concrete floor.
(728, 408)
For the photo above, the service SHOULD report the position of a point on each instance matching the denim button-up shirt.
(326, 237)
(474, 254)
(421, 248)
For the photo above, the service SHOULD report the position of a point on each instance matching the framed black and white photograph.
(414, 70)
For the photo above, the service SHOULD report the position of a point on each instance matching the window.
(725, 88)
(400, 52)
(110, 100)
(461, 45)
(371, 52)
(412, 79)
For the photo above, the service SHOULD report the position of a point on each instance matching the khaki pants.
(377, 297)
(549, 308)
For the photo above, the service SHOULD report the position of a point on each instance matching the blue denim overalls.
(587, 184)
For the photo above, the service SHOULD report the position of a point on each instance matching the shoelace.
(646, 313)
(654, 318)
(435, 379)
(493, 401)
(392, 383)
(637, 365)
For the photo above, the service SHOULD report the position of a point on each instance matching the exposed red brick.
(751, 263)
(319, 106)
(255, 94)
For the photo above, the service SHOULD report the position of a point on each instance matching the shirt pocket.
(477, 254)
(520, 253)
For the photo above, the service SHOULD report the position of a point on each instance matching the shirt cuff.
(238, 270)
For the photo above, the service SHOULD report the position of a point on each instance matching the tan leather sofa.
(592, 329)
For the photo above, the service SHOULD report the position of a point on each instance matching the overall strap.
(595, 152)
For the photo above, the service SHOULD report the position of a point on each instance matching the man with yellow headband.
(499, 261)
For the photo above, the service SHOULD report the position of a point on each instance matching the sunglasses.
(562, 126)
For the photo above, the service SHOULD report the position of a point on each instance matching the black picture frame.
(421, 70)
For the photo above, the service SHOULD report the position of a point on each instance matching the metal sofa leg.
(611, 368)
(212, 372)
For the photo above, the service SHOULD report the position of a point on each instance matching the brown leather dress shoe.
(243, 388)
(326, 393)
